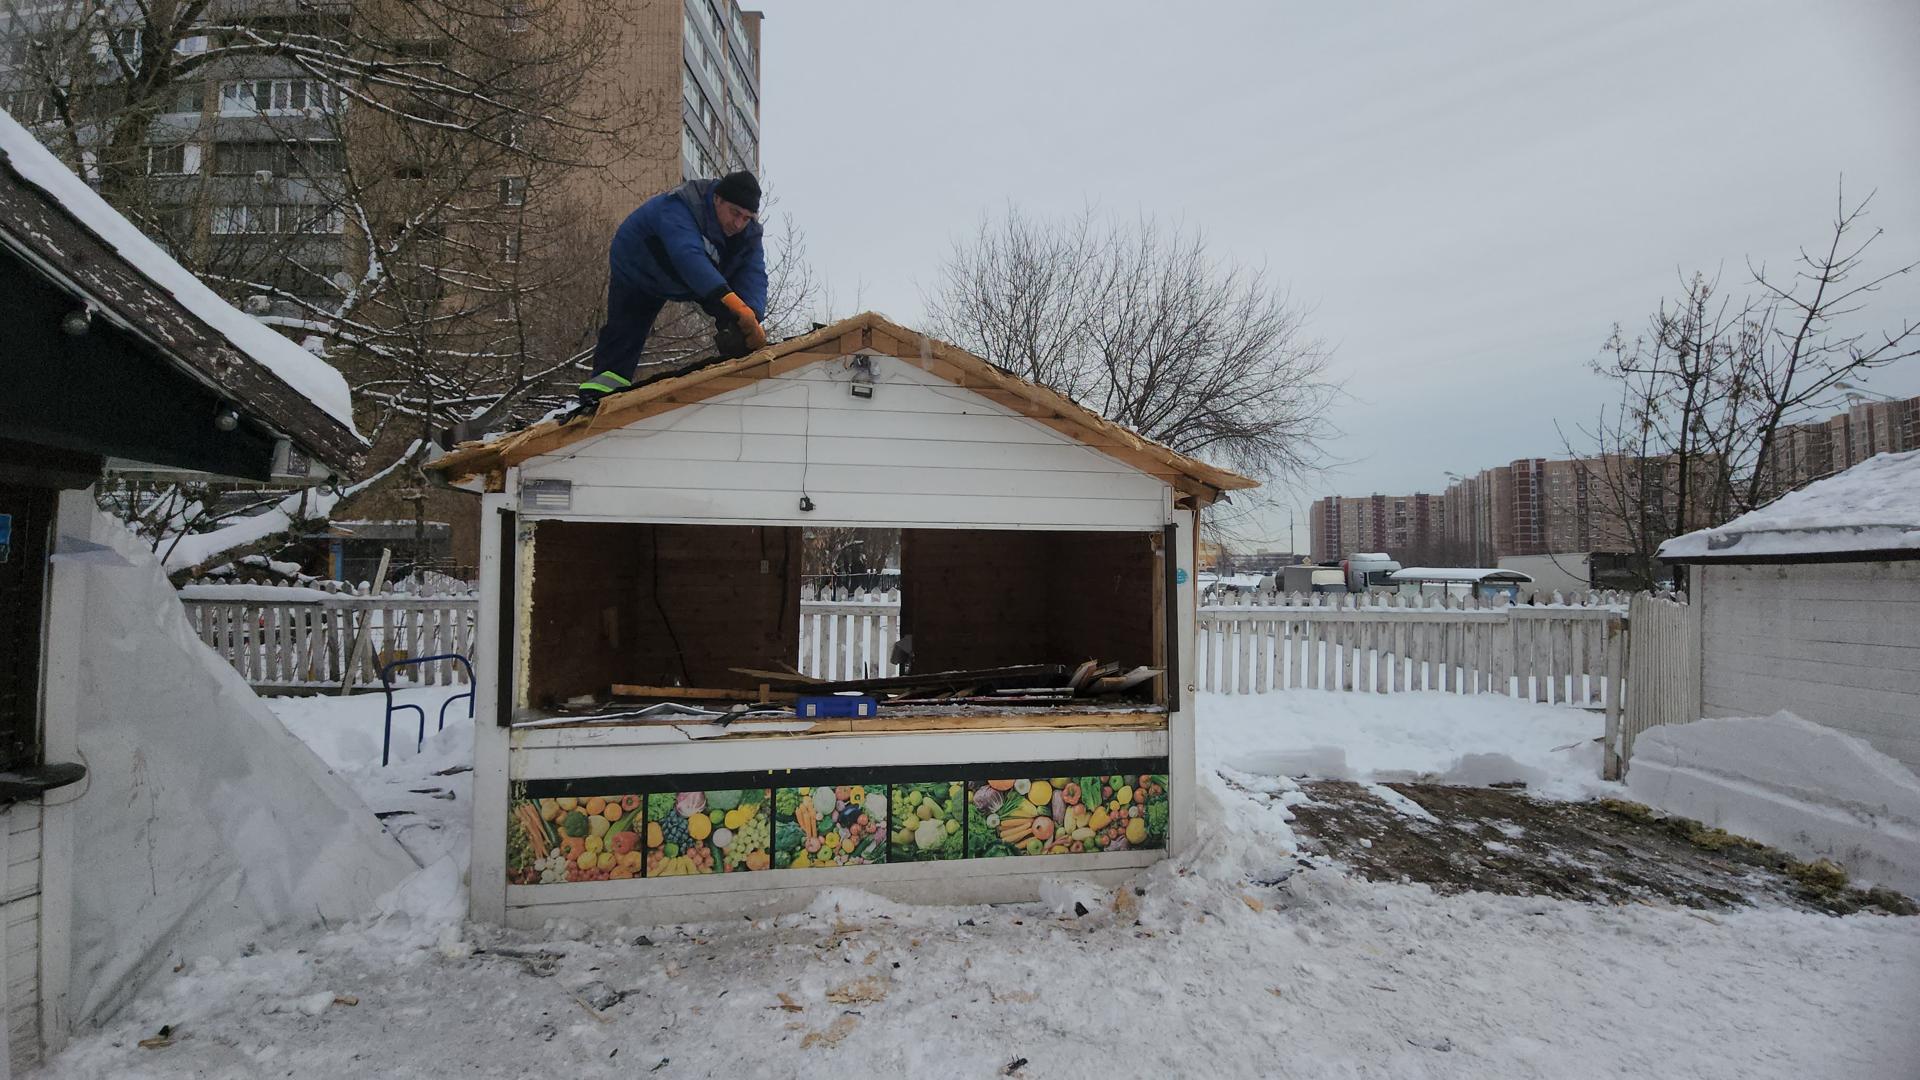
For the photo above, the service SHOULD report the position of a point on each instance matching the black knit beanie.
(740, 189)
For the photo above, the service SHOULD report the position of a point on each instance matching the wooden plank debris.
(700, 693)
(1027, 673)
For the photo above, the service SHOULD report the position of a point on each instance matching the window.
(112, 46)
(238, 220)
(312, 220)
(269, 218)
(274, 97)
(740, 33)
(316, 158)
(185, 97)
(690, 89)
(744, 94)
(513, 191)
(167, 160)
(243, 158)
(510, 246)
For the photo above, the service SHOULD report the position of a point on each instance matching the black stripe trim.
(588, 786)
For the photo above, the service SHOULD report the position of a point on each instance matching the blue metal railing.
(386, 681)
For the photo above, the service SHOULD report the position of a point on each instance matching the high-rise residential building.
(1339, 526)
(1803, 453)
(701, 58)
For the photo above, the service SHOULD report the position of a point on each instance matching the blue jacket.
(672, 247)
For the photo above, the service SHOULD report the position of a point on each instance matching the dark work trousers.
(630, 316)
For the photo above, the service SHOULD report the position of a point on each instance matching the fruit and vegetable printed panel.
(829, 825)
(1062, 815)
(709, 832)
(613, 829)
(571, 838)
(929, 821)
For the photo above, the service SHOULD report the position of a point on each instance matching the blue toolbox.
(835, 705)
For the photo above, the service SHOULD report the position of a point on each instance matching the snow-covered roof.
(1873, 507)
(1458, 573)
(299, 369)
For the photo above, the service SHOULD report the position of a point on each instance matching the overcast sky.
(1467, 196)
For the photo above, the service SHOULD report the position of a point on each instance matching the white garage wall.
(1835, 643)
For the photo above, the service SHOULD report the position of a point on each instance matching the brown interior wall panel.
(728, 596)
(724, 610)
(1100, 598)
(585, 583)
(977, 598)
(973, 598)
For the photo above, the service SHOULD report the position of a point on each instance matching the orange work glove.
(749, 323)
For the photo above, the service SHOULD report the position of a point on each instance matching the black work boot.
(607, 382)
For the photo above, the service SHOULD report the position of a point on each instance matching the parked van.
(1313, 579)
(1370, 572)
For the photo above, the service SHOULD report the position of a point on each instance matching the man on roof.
(699, 243)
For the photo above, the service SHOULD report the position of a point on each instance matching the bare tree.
(1706, 390)
(1145, 326)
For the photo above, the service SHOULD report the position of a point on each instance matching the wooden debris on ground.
(699, 693)
(1023, 685)
(841, 1027)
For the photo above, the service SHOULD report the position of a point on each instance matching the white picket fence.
(284, 639)
(1663, 675)
(848, 635)
(1559, 653)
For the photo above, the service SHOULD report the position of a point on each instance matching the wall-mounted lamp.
(862, 366)
(77, 323)
(226, 419)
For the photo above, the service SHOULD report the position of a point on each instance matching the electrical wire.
(679, 653)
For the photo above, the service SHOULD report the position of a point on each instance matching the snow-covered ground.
(1448, 738)
(1236, 961)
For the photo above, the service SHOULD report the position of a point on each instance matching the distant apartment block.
(1803, 453)
(1538, 506)
(1338, 525)
(1531, 506)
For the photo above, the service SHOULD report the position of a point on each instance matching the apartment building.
(1338, 526)
(701, 60)
(1803, 453)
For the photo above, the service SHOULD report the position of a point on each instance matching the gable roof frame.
(1192, 477)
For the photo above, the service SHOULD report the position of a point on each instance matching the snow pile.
(1790, 783)
(422, 794)
(1874, 506)
(299, 369)
(1451, 738)
(202, 823)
